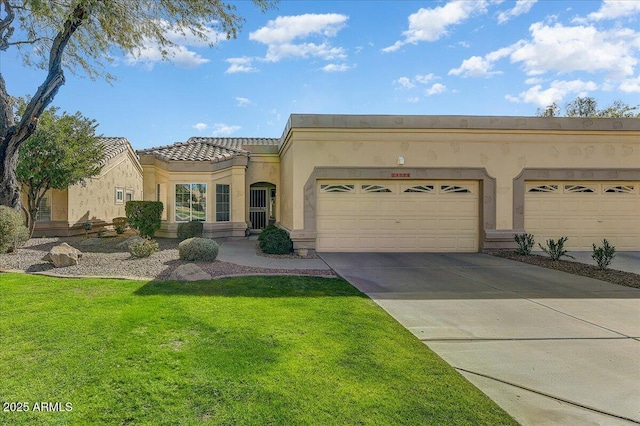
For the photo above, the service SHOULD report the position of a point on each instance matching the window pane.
(191, 202)
(222, 203)
(198, 202)
(44, 209)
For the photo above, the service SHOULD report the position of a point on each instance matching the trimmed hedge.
(198, 249)
(144, 216)
(190, 229)
(276, 241)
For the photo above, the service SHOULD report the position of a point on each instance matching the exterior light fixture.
(401, 161)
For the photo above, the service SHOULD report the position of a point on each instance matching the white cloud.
(151, 53)
(613, 9)
(243, 64)
(557, 91)
(413, 100)
(200, 126)
(243, 102)
(221, 129)
(578, 48)
(436, 89)
(424, 79)
(475, 66)
(521, 7)
(630, 85)
(336, 68)
(432, 24)
(405, 82)
(280, 36)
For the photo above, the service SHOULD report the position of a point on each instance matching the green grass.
(250, 350)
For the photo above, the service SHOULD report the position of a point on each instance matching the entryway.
(262, 205)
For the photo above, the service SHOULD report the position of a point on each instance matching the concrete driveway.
(549, 347)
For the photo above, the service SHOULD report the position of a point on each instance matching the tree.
(62, 151)
(588, 107)
(81, 35)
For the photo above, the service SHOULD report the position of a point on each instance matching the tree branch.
(6, 30)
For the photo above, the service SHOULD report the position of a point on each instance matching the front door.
(258, 208)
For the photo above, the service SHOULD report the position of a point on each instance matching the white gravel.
(101, 258)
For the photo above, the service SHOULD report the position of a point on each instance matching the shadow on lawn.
(254, 286)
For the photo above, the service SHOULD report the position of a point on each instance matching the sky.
(472, 57)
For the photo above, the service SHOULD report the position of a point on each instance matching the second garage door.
(586, 212)
(398, 216)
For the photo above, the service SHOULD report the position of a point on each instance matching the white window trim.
(121, 191)
(191, 209)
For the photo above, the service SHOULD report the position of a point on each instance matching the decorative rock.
(124, 245)
(63, 255)
(189, 272)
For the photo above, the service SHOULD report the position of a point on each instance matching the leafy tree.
(62, 151)
(588, 107)
(81, 35)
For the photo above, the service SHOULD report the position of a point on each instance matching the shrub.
(525, 243)
(144, 216)
(556, 250)
(198, 249)
(604, 254)
(268, 229)
(276, 242)
(13, 233)
(120, 224)
(143, 248)
(190, 230)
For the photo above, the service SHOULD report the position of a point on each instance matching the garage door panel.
(426, 219)
(585, 217)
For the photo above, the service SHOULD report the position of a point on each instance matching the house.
(99, 199)
(410, 183)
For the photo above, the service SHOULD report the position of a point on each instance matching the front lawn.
(250, 350)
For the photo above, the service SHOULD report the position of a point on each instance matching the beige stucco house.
(410, 183)
(99, 199)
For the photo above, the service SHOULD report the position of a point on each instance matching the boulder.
(189, 272)
(124, 245)
(63, 255)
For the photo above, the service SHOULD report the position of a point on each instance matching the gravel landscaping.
(628, 279)
(101, 258)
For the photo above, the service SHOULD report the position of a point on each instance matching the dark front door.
(258, 208)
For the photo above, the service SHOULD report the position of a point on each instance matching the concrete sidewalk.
(242, 251)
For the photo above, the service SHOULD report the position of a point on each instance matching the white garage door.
(399, 216)
(586, 212)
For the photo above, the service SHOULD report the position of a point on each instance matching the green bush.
(190, 230)
(143, 248)
(525, 243)
(120, 224)
(604, 254)
(268, 229)
(556, 250)
(13, 233)
(198, 249)
(276, 242)
(144, 216)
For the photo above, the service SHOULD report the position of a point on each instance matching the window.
(374, 188)
(128, 196)
(44, 208)
(337, 188)
(119, 196)
(191, 202)
(222, 203)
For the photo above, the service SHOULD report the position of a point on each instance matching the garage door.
(399, 216)
(586, 212)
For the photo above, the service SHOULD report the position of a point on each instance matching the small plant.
(196, 248)
(525, 243)
(266, 231)
(604, 254)
(144, 216)
(88, 226)
(556, 250)
(143, 248)
(190, 230)
(120, 224)
(13, 233)
(276, 242)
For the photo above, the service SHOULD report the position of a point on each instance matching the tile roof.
(113, 146)
(206, 149)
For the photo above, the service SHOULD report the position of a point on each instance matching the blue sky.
(480, 57)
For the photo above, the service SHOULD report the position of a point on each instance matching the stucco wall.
(503, 152)
(263, 168)
(96, 201)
